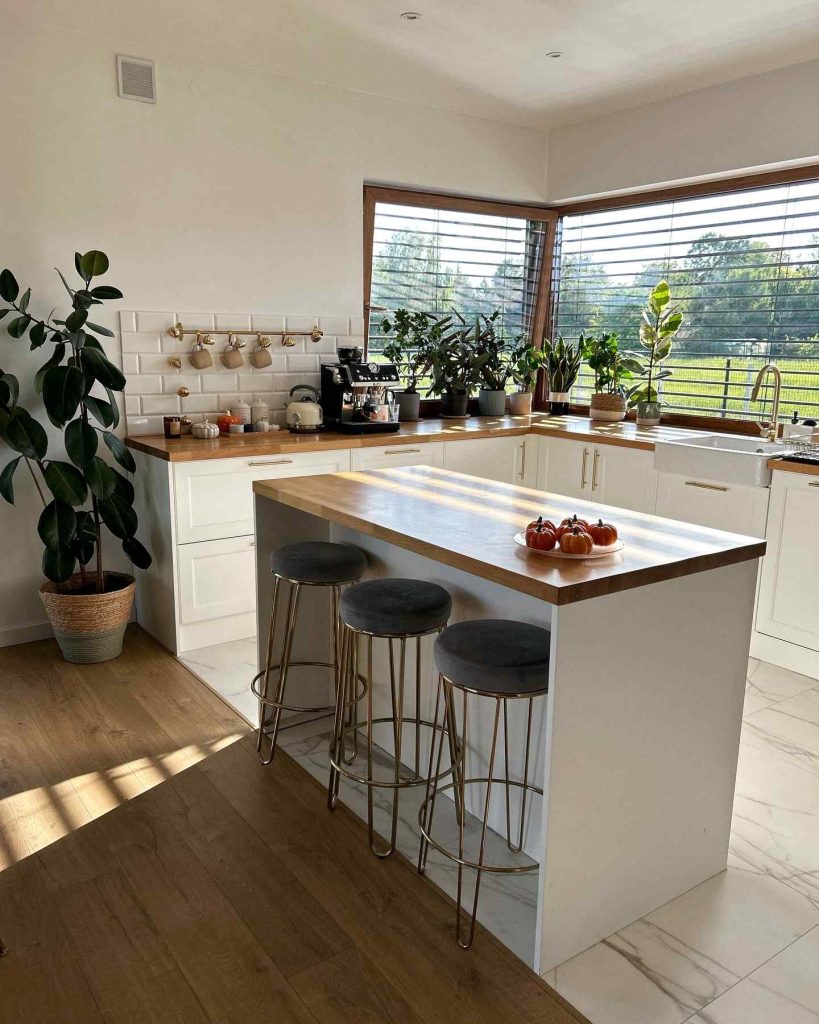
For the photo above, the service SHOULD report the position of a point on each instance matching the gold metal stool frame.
(459, 784)
(346, 708)
(261, 690)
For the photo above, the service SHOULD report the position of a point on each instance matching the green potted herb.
(490, 342)
(601, 352)
(562, 361)
(88, 609)
(659, 325)
(413, 336)
(525, 361)
(455, 367)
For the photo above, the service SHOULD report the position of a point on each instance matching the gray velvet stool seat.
(393, 611)
(314, 564)
(498, 660)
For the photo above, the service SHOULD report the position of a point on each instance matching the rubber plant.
(413, 336)
(78, 385)
(660, 322)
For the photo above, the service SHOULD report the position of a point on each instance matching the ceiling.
(481, 57)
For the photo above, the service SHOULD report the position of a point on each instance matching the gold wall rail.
(179, 331)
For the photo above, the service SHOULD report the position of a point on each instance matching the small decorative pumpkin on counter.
(603, 534)
(570, 523)
(540, 536)
(576, 541)
(540, 521)
(205, 431)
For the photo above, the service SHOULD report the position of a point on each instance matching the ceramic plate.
(596, 552)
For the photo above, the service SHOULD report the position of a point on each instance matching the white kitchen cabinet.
(214, 497)
(388, 456)
(493, 458)
(788, 606)
(732, 507)
(217, 591)
(611, 474)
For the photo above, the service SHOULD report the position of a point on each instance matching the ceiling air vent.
(136, 79)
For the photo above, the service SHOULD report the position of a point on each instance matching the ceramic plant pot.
(559, 403)
(89, 627)
(454, 405)
(648, 414)
(409, 406)
(520, 403)
(491, 403)
(607, 408)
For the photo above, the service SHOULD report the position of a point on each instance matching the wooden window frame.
(646, 197)
(549, 215)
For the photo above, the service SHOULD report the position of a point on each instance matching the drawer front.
(729, 507)
(493, 458)
(214, 498)
(389, 456)
(217, 578)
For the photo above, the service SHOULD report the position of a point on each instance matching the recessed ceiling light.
(554, 54)
(410, 15)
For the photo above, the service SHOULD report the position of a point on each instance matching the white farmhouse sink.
(729, 460)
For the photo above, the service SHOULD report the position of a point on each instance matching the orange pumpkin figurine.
(570, 523)
(603, 534)
(542, 537)
(576, 542)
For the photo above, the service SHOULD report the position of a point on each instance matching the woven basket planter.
(608, 408)
(89, 627)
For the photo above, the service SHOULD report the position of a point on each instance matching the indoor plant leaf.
(124, 487)
(65, 482)
(100, 478)
(37, 334)
(25, 435)
(80, 442)
(93, 263)
(114, 407)
(54, 359)
(57, 525)
(58, 565)
(7, 478)
(118, 516)
(13, 386)
(9, 289)
(106, 291)
(18, 327)
(103, 371)
(117, 448)
(63, 390)
(101, 411)
(137, 552)
(99, 330)
(74, 321)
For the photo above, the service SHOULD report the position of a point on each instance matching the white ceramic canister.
(241, 410)
(260, 410)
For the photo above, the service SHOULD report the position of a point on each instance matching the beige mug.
(260, 357)
(200, 358)
(232, 358)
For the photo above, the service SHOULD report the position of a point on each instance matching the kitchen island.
(637, 742)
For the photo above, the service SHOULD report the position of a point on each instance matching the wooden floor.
(153, 872)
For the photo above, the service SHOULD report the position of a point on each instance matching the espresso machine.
(357, 397)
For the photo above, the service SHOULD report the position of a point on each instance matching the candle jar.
(172, 426)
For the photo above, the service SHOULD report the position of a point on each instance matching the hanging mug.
(200, 358)
(232, 358)
(260, 356)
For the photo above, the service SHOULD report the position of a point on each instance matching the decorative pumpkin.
(542, 538)
(540, 521)
(603, 534)
(205, 430)
(573, 521)
(576, 542)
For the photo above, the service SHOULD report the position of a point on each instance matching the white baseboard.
(10, 635)
(786, 655)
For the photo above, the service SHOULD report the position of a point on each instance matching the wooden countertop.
(793, 467)
(188, 449)
(470, 523)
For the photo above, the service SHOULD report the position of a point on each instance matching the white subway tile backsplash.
(278, 364)
(142, 384)
(172, 381)
(267, 323)
(195, 404)
(130, 363)
(334, 324)
(176, 346)
(301, 323)
(302, 364)
(127, 321)
(154, 364)
(142, 342)
(357, 325)
(159, 322)
(132, 406)
(163, 405)
(194, 321)
(233, 321)
(215, 382)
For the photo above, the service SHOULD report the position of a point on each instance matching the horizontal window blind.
(437, 260)
(743, 267)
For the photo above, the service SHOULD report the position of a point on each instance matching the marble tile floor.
(741, 948)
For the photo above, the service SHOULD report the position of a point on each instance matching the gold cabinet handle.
(270, 462)
(706, 487)
(813, 483)
(594, 469)
(403, 451)
(583, 470)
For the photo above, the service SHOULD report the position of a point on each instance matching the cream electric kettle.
(304, 415)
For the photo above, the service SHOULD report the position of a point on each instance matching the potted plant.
(414, 334)
(455, 368)
(525, 361)
(496, 370)
(562, 360)
(88, 609)
(659, 325)
(601, 352)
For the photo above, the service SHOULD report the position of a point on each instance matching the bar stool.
(398, 611)
(303, 564)
(3, 949)
(488, 658)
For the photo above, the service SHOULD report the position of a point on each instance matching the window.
(743, 267)
(434, 254)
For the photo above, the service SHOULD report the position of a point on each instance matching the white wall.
(239, 190)
(761, 121)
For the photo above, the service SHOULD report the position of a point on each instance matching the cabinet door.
(623, 477)
(789, 588)
(214, 498)
(492, 458)
(429, 453)
(730, 507)
(564, 467)
(217, 578)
